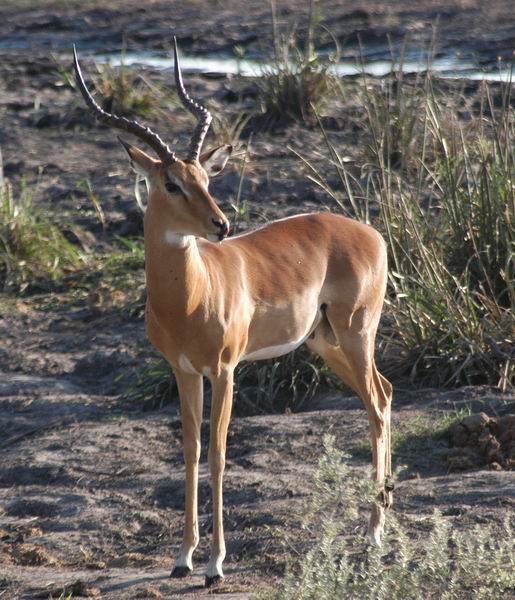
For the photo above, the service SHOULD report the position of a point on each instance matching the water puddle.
(448, 67)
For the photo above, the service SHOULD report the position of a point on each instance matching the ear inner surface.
(140, 161)
(215, 160)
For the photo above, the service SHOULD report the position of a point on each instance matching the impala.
(214, 301)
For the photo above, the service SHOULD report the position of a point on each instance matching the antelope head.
(178, 188)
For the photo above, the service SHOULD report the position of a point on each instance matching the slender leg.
(352, 360)
(190, 392)
(220, 417)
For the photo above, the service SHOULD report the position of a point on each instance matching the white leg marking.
(184, 559)
(214, 567)
(376, 526)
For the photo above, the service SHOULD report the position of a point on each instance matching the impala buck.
(214, 301)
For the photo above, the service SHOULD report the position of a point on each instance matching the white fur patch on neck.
(177, 239)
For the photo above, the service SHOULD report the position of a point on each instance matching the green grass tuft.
(296, 80)
(282, 384)
(34, 253)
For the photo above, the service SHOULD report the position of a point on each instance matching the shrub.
(441, 563)
(275, 385)
(296, 79)
(33, 250)
(123, 91)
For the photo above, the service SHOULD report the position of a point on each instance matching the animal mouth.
(223, 227)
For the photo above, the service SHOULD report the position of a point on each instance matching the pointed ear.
(140, 161)
(214, 160)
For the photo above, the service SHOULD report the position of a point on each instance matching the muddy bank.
(473, 29)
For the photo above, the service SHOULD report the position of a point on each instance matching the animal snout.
(223, 226)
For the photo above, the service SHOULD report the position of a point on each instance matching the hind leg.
(352, 359)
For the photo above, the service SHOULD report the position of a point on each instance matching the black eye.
(171, 187)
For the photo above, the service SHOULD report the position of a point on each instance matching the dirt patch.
(77, 588)
(32, 555)
(481, 440)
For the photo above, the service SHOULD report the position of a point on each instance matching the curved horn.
(200, 112)
(143, 133)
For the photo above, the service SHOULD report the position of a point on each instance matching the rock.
(473, 439)
(475, 423)
(507, 423)
(493, 425)
(484, 440)
(494, 456)
(462, 459)
(506, 437)
(459, 463)
(459, 434)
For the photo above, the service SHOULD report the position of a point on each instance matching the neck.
(178, 240)
(176, 277)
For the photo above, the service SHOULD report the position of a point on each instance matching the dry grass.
(444, 197)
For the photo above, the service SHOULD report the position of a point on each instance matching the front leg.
(220, 415)
(191, 396)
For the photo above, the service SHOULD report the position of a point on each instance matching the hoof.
(214, 580)
(180, 572)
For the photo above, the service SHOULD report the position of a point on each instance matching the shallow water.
(448, 67)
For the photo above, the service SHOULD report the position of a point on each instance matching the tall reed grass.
(440, 185)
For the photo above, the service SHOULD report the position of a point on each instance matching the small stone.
(494, 456)
(484, 440)
(475, 423)
(459, 435)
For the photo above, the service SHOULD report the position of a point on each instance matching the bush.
(33, 250)
(448, 564)
(296, 80)
(268, 386)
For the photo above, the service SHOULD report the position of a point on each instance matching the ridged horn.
(143, 133)
(203, 116)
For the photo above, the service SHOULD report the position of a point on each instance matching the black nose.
(224, 228)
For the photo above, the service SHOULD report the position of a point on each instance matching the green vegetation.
(285, 383)
(276, 385)
(414, 438)
(444, 197)
(34, 253)
(296, 80)
(124, 91)
(37, 259)
(114, 279)
(450, 563)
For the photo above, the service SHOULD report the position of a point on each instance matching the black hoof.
(180, 572)
(210, 581)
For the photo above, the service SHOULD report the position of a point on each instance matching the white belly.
(311, 315)
(273, 351)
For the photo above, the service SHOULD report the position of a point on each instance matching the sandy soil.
(91, 485)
